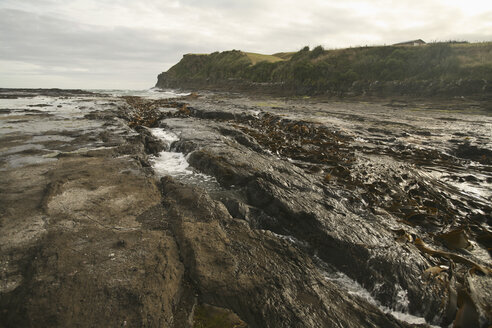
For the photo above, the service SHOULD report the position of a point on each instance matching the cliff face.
(432, 70)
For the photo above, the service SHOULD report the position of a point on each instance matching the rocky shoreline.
(313, 199)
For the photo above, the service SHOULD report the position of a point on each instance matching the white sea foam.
(171, 163)
(290, 239)
(352, 287)
(256, 113)
(167, 137)
(175, 164)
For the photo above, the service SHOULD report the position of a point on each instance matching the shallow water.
(171, 163)
(47, 125)
(175, 164)
(354, 288)
(152, 93)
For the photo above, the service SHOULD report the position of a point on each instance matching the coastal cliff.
(438, 69)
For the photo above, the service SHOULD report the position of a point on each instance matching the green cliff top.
(318, 69)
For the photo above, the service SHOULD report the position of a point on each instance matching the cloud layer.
(125, 44)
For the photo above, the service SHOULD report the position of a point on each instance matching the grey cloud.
(27, 36)
(227, 5)
(128, 42)
(69, 49)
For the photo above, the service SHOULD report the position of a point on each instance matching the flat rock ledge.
(95, 239)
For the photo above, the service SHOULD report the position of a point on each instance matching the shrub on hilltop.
(318, 70)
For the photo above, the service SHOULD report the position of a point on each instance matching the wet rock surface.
(74, 250)
(264, 279)
(386, 196)
(292, 213)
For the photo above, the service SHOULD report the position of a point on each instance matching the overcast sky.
(124, 44)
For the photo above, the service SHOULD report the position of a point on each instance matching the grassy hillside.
(257, 58)
(284, 55)
(315, 71)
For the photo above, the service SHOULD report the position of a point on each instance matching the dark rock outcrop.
(318, 217)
